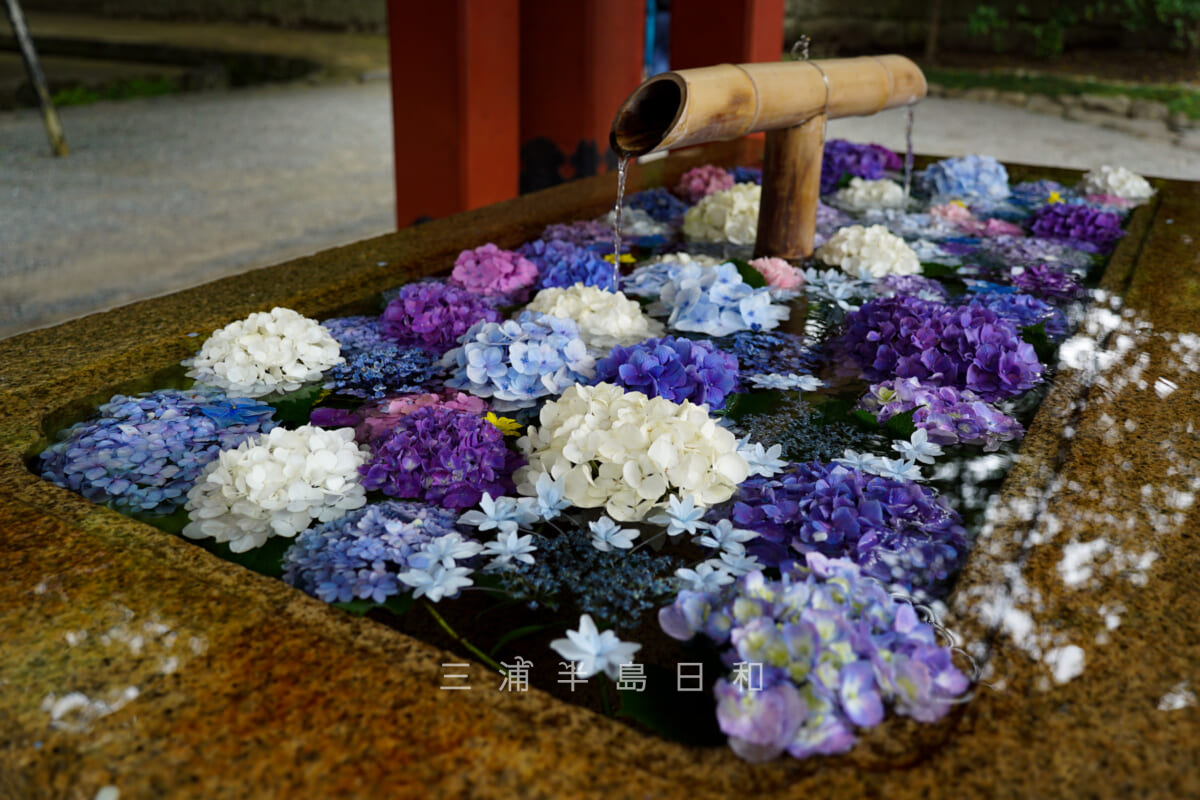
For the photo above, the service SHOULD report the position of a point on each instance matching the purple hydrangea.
(660, 204)
(562, 264)
(747, 175)
(442, 456)
(843, 158)
(968, 347)
(358, 556)
(592, 234)
(973, 176)
(1049, 282)
(916, 285)
(1033, 249)
(1023, 311)
(434, 315)
(356, 333)
(1088, 228)
(899, 532)
(834, 649)
(385, 370)
(699, 182)
(948, 415)
(144, 453)
(677, 369)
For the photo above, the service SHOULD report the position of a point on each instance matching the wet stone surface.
(132, 659)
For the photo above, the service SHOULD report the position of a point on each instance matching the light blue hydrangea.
(970, 176)
(519, 361)
(717, 302)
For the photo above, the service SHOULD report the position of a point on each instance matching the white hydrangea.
(269, 351)
(869, 253)
(863, 195)
(1117, 181)
(628, 453)
(730, 215)
(276, 485)
(683, 258)
(636, 222)
(605, 318)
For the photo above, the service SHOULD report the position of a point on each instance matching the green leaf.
(753, 278)
(171, 523)
(358, 606)
(932, 270)
(747, 403)
(844, 181)
(687, 717)
(397, 604)
(901, 426)
(1036, 336)
(295, 407)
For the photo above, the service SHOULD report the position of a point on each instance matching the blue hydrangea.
(385, 370)
(771, 352)
(660, 204)
(716, 301)
(356, 333)
(970, 176)
(1023, 311)
(949, 416)
(1034, 194)
(834, 648)
(143, 453)
(747, 175)
(520, 361)
(358, 556)
(677, 369)
(563, 264)
(899, 532)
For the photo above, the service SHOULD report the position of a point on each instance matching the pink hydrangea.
(961, 217)
(699, 182)
(488, 270)
(1112, 200)
(779, 273)
(951, 212)
(381, 417)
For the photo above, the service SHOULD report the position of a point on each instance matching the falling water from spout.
(908, 151)
(622, 174)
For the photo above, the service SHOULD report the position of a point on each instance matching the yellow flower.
(625, 258)
(958, 203)
(1054, 197)
(509, 427)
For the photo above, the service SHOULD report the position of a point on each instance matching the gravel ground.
(166, 193)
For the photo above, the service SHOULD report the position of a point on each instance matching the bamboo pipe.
(678, 109)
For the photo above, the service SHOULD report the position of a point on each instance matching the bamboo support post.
(787, 100)
(58, 140)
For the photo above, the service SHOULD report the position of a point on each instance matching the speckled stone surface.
(223, 683)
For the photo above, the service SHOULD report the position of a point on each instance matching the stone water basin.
(217, 682)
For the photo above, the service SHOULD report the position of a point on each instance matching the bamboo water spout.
(790, 101)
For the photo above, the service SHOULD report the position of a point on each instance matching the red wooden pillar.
(707, 32)
(580, 59)
(454, 104)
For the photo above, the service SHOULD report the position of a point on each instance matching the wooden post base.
(787, 217)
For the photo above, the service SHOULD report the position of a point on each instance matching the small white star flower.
(900, 469)
(762, 461)
(680, 516)
(437, 582)
(864, 462)
(593, 651)
(918, 448)
(606, 535)
(508, 547)
(739, 564)
(724, 536)
(705, 577)
(445, 550)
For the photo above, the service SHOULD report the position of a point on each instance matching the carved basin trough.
(222, 683)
